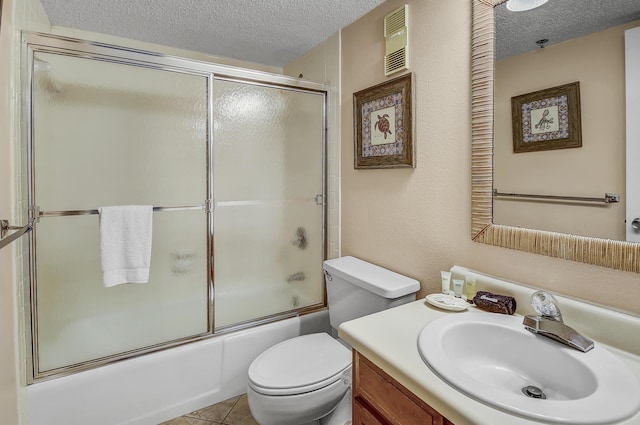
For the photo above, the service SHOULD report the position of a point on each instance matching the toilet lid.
(298, 365)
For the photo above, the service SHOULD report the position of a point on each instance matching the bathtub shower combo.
(233, 163)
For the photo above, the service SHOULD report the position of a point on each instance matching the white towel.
(125, 243)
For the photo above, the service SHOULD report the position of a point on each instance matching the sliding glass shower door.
(233, 166)
(268, 215)
(105, 134)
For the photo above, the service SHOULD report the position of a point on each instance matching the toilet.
(301, 381)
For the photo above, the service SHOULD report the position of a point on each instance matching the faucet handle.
(546, 305)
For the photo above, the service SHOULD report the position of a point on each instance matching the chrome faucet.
(549, 323)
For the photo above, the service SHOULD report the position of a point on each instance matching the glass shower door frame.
(36, 42)
(39, 43)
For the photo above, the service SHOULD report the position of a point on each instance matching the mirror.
(537, 50)
(530, 237)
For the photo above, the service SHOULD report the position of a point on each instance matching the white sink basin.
(491, 357)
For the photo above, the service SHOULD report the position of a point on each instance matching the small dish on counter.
(447, 302)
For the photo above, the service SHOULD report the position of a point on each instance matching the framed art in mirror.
(383, 125)
(547, 119)
(610, 253)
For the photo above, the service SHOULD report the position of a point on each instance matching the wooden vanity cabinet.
(378, 399)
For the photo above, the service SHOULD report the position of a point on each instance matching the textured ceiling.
(557, 21)
(272, 32)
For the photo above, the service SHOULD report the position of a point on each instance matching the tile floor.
(234, 411)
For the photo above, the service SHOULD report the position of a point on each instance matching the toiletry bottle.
(446, 281)
(470, 287)
(457, 287)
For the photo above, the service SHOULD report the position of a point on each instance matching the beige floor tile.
(216, 412)
(240, 414)
(185, 420)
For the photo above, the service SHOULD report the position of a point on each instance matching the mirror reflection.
(558, 43)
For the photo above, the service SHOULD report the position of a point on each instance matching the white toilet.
(302, 380)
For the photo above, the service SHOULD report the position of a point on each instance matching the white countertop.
(389, 339)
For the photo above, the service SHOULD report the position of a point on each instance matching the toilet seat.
(299, 365)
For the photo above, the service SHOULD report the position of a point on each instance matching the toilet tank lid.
(373, 278)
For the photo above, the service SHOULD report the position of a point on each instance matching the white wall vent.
(396, 34)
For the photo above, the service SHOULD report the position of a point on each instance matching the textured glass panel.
(114, 134)
(79, 319)
(267, 142)
(268, 170)
(261, 267)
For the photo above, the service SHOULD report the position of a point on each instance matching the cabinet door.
(393, 404)
(362, 416)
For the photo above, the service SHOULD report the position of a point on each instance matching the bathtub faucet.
(549, 323)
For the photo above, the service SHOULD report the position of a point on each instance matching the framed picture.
(383, 125)
(547, 119)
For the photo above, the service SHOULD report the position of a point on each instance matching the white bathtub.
(156, 387)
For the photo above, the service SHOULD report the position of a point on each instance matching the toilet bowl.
(301, 381)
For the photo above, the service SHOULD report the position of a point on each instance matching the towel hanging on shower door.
(125, 243)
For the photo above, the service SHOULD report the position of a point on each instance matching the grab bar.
(20, 231)
(609, 198)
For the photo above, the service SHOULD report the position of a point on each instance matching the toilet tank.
(356, 288)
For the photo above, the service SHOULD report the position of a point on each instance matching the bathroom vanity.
(392, 384)
(378, 399)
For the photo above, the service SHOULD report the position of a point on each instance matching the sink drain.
(533, 392)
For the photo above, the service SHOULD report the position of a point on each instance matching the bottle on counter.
(446, 282)
(470, 287)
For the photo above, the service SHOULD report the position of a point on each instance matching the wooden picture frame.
(383, 125)
(547, 119)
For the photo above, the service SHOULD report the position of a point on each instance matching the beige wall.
(23, 14)
(597, 62)
(8, 375)
(15, 14)
(418, 222)
(8, 383)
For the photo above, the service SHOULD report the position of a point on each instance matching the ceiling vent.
(396, 34)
